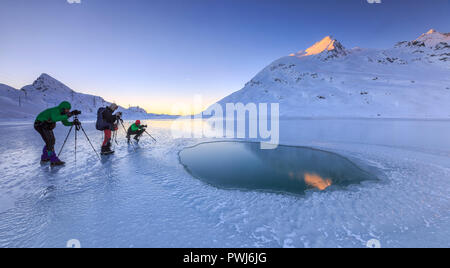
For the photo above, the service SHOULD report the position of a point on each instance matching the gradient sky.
(155, 53)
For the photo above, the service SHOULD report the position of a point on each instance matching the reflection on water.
(313, 180)
(241, 165)
(316, 181)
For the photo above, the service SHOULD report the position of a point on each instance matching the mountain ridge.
(409, 80)
(46, 91)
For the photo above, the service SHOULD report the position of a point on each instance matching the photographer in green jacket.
(46, 122)
(136, 129)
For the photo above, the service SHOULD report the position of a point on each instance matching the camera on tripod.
(77, 124)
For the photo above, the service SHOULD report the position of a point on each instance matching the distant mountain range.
(410, 80)
(46, 92)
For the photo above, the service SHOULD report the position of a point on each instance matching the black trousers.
(138, 133)
(46, 131)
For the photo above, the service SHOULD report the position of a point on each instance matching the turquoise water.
(293, 170)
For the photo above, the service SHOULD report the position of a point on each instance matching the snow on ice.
(147, 199)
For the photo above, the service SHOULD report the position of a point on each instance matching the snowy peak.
(328, 46)
(433, 38)
(46, 92)
(45, 82)
(326, 80)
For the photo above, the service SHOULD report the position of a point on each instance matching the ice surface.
(147, 199)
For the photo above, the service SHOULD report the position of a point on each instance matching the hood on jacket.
(65, 105)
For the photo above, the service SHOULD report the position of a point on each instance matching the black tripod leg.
(124, 129)
(76, 131)
(60, 151)
(90, 142)
(115, 137)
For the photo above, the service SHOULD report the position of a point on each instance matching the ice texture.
(145, 198)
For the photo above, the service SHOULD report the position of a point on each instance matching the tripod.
(78, 127)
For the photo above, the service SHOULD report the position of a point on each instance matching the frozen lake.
(146, 198)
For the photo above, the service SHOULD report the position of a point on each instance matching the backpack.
(101, 124)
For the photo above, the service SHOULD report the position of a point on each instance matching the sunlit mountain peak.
(327, 44)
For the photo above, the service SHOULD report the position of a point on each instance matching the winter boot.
(107, 149)
(44, 157)
(54, 160)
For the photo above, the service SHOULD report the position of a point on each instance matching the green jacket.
(54, 115)
(135, 127)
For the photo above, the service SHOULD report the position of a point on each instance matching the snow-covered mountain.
(48, 92)
(410, 80)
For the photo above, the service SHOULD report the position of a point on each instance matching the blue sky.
(155, 53)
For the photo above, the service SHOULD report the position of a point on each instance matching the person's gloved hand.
(119, 114)
(144, 126)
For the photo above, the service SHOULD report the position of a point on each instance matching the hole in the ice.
(293, 170)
